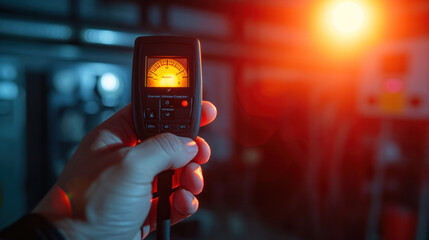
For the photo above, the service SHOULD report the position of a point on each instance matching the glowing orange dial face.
(167, 72)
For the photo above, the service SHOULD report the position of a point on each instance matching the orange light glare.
(346, 28)
(347, 17)
(184, 103)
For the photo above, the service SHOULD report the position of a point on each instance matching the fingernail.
(195, 204)
(190, 145)
(194, 201)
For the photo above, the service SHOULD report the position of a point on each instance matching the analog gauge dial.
(167, 72)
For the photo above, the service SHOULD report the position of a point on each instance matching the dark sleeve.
(31, 226)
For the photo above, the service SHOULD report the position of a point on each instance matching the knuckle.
(168, 143)
(133, 166)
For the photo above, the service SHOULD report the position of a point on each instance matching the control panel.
(395, 80)
(167, 113)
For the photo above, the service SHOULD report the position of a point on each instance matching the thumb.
(159, 153)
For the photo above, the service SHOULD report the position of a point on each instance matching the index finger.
(208, 113)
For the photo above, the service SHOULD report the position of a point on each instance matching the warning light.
(184, 103)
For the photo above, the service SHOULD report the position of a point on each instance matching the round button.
(184, 103)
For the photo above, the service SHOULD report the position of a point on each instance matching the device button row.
(180, 127)
(180, 102)
(168, 114)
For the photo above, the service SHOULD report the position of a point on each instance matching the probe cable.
(164, 190)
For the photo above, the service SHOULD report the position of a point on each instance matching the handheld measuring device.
(166, 87)
(166, 97)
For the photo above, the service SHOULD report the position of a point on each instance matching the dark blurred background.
(323, 108)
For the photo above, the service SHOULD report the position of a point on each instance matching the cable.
(163, 210)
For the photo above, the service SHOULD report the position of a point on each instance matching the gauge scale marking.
(167, 72)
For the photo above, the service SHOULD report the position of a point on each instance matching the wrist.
(56, 208)
(55, 205)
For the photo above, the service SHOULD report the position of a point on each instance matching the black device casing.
(143, 97)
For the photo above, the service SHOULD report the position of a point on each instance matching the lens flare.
(347, 17)
(344, 29)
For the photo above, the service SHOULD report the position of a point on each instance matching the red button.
(184, 103)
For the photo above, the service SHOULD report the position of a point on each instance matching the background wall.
(321, 132)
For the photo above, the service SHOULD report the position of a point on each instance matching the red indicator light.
(372, 100)
(184, 103)
(416, 102)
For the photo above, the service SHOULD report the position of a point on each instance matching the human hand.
(105, 191)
